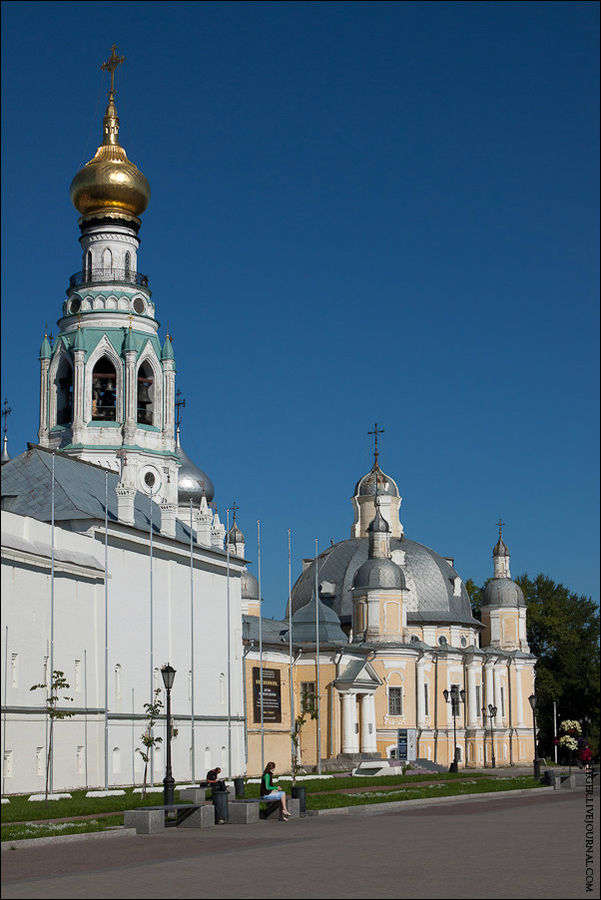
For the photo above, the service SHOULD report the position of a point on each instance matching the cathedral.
(381, 649)
(114, 558)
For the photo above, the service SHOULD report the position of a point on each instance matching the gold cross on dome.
(375, 433)
(500, 525)
(111, 64)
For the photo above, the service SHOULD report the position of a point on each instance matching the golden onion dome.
(109, 181)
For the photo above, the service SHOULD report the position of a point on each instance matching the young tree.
(153, 711)
(58, 683)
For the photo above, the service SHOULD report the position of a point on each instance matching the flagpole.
(106, 632)
(229, 650)
(291, 664)
(192, 742)
(51, 748)
(151, 638)
(318, 710)
(260, 647)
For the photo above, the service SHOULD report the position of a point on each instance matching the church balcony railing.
(101, 276)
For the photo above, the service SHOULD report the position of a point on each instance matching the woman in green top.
(270, 791)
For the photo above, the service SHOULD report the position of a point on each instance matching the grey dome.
(429, 579)
(235, 536)
(367, 485)
(379, 573)
(503, 592)
(249, 586)
(303, 624)
(192, 482)
(500, 548)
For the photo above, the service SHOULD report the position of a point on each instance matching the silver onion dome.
(387, 486)
(192, 482)
(503, 592)
(379, 573)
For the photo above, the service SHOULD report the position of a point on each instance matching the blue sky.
(360, 212)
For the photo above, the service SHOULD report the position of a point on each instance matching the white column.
(421, 699)
(350, 738)
(497, 700)
(489, 699)
(368, 724)
(169, 399)
(519, 703)
(472, 711)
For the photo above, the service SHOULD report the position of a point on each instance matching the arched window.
(127, 264)
(88, 266)
(63, 382)
(104, 397)
(145, 395)
(107, 259)
(116, 761)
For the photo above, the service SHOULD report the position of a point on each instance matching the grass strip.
(29, 831)
(474, 786)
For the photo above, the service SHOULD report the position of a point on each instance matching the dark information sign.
(272, 695)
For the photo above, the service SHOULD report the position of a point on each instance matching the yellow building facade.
(385, 657)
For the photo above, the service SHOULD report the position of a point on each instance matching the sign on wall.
(272, 697)
(406, 748)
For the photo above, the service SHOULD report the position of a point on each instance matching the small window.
(127, 264)
(88, 268)
(395, 701)
(307, 692)
(442, 640)
(463, 642)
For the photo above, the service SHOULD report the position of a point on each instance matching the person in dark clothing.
(270, 791)
(213, 780)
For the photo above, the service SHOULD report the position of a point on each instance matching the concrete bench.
(153, 819)
(248, 810)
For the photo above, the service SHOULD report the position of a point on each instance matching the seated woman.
(270, 791)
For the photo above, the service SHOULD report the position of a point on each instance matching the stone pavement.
(527, 846)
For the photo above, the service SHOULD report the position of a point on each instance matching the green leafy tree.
(58, 683)
(149, 740)
(563, 633)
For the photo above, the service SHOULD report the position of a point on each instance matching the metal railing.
(100, 276)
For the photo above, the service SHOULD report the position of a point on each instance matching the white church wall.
(79, 604)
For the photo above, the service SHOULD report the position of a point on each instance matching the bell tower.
(107, 383)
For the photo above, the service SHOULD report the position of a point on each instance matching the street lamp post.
(492, 712)
(168, 673)
(534, 705)
(453, 697)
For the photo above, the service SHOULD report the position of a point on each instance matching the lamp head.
(168, 673)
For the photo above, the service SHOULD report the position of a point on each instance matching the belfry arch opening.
(145, 395)
(63, 383)
(104, 394)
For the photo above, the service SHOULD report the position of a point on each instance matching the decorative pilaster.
(125, 503)
(497, 689)
(490, 697)
(472, 710)
(43, 430)
(131, 390)
(519, 702)
(421, 698)
(78, 388)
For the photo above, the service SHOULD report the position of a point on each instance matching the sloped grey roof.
(429, 579)
(353, 670)
(273, 631)
(79, 492)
